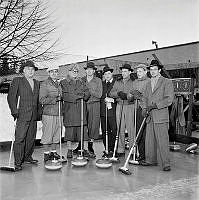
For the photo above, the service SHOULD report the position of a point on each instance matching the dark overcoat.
(73, 91)
(105, 93)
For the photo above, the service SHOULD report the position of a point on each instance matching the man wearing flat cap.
(108, 111)
(23, 100)
(49, 97)
(158, 96)
(136, 94)
(124, 109)
(94, 85)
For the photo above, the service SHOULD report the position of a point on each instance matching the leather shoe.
(167, 168)
(18, 167)
(31, 161)
(144, 163)
(120, 154)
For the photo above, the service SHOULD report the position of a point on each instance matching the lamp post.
(156, 44)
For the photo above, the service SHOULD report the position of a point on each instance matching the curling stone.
(192, 148)
(103, 163)
(79, 161)
(53, 165)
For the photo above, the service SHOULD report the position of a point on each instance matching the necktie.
(108, 84)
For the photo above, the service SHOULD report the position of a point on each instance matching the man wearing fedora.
(94, 85)
(49, 97)
(108, 107)
(25, 90)
(136, 94)
(157, 97)
(125, 108)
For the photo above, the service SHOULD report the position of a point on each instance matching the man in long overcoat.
(73, 90)
(25, 90)
(108, 107)
(157, 97)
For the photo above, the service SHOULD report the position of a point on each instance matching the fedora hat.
(90, 65)
(126, 66)
(27, 63)
(106, 69)
(155, 63)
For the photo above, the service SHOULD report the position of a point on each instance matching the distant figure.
(157, 97)
(49, 97)
(27, 90)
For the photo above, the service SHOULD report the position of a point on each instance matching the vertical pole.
(82, 126)
(135, 128)
(60, 127)
(106, 128)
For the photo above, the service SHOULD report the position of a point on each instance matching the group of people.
(109, 102)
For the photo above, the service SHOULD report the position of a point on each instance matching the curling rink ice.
(34, 182)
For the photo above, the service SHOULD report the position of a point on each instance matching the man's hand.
(151, 107)
(59, 98)
(122, 95)
(144, 113)
(15, 116)
(109, 100)
(136, 94)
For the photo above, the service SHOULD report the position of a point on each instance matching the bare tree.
(26, 31)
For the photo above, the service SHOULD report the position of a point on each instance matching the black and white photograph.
(99, 99)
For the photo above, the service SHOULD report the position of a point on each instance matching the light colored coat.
(162, 96)
(49, 90)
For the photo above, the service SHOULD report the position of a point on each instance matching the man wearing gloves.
(124, 109)
(49, 97)
(156, 99)
(136, 94)
(94, 85)
(73, 90)
(108, 107)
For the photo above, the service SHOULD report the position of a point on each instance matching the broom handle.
(135, 127)
(118, 130)
(106, 128)
(60, 126)
(82, 124)
(13, 137)
(11, 149)
(134, 144)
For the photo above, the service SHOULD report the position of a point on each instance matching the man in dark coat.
(25, 90)
(73, 90)
(106, 102)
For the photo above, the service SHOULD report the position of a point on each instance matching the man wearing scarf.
(73, 90)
